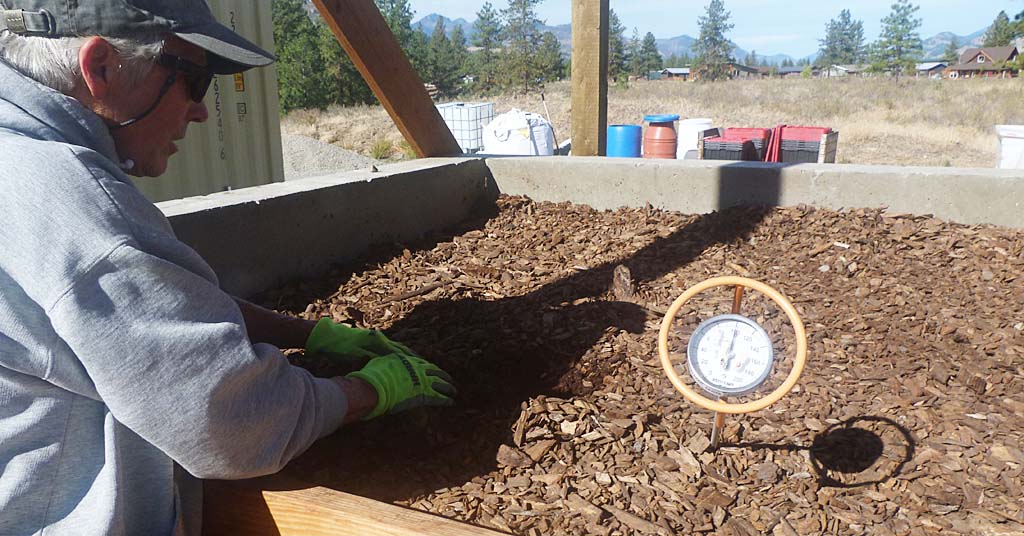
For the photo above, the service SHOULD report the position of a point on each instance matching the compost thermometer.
(731, 354)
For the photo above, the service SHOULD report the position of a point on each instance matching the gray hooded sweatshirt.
(125, 371)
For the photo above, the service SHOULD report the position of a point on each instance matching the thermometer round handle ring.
(724, 407)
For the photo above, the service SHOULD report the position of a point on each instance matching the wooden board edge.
(273, 507)
(315, 511)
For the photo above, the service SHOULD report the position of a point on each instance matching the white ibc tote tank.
(1011, 146)
(519, 133)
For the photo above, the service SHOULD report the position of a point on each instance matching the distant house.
(845, 70)
(737, 70)
(675, 73)
(835, 71)
(733, 69)
(791, 72)
(990, 62)
(931, 69)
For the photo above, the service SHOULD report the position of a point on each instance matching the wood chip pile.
(907, 420)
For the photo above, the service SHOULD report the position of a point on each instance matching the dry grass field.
(912, 122)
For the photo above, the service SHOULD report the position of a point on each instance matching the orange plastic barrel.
(660, 140)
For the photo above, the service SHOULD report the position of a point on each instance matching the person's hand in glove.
(353, 346)
(404, 381)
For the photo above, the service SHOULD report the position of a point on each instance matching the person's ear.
(98, 61)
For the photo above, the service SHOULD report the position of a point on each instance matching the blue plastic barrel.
(624, 140)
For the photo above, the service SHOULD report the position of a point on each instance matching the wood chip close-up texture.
(908, 417)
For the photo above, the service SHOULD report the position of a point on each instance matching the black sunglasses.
(197, 77)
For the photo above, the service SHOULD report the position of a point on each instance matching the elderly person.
(126, 374)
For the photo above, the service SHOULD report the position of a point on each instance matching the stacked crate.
(780, 144)
(805, 144)
(736, 144)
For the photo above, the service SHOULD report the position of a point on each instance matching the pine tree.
(712, 48)
(521, 44)
(952, 53)
(843, 42)
(633, 57)
(441, 69)
(302, 81)
(1000, 33)
(549, 58)
(398, 14)
(347, 86)
(487, 35)
(616, 47)
(651, 58)
(459, 54)
(898, 48)
(1019, 25)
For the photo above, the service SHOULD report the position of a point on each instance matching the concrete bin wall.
(258, 238)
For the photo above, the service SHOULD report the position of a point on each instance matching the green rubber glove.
(351, 344)
(404, 382)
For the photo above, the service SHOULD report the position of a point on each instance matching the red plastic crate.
(804, 133)
(747, 133)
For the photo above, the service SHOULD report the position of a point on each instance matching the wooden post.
(589, 77)
(368, 41)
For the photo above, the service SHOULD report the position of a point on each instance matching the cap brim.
(228, 52)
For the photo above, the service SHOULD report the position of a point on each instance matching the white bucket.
(689, 134)
(519, 133)
(1011, 146)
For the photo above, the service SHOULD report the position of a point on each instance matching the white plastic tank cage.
(466, 120)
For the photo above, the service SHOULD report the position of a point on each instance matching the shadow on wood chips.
(845, 454)
(501, 353)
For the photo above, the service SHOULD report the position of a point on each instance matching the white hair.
(53, 62)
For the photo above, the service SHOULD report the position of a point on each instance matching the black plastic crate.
(750, 150)
(800, 152)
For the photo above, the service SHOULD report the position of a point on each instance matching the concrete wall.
(257, 238)
(699, 186)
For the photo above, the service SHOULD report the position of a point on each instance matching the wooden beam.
(266, 507)
(589, 77)
(368, 41)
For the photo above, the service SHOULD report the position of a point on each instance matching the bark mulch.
(907, 420)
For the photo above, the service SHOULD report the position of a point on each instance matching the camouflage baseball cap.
(191, 20)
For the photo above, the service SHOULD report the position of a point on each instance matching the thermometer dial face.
(729, 355)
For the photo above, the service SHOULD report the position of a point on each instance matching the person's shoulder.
(73, 200)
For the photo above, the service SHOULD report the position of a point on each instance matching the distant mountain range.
(934, 47)
(428, 23)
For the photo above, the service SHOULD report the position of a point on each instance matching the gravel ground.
(304, 156)
(907, 420)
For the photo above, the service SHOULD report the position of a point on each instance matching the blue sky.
(769, 26)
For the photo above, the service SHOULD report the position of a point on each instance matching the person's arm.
(267, 326)
(362, 397)
(271, 327)
(169, 356)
